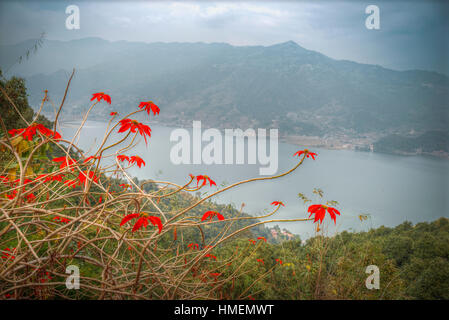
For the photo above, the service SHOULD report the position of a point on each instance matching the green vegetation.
(431, 141)
(60, 226)
(16, 90)
(413, 262)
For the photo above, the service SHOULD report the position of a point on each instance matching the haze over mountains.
(285, 86)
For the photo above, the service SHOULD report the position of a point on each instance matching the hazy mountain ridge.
(299, 91)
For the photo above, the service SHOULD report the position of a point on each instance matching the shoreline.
(352, 144)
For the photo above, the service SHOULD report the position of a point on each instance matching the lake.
(390, 188)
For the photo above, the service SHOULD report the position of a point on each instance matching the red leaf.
(129, 217)
(156, 221)
(219, 216)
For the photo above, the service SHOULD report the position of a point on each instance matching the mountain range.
(285, 86)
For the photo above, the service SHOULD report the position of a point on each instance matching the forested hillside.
(413, 261)
(286, 86)
(136, 239)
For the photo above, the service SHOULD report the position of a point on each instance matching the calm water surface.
(390, 188)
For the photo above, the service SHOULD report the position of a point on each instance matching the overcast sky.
(412, 35)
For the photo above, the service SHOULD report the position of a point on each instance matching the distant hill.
(429, 142)
(284, 86)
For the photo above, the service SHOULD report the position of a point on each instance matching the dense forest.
(413, 260)
(428, 142)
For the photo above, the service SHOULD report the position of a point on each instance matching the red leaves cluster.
(138, 160)
(65, 162)
(29, 132)
(260, 261)
(12, 195)
(278, 261)
(101, 96)
(210, 256)
(142, 221)
(149, 106)
(82, 178)
(30, 196)
(84, 175)
(125, 186)
(262, 238)
(210, 214)
(278, 203)
(319, 210)
(306, 153)
(49, 177)
(205, 180)
(131, 160)
(61, 220)
(194, 246)
(8, 254)
(135, 126)
(44, 276)
(122, 157)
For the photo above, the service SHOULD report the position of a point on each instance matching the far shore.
(365, 145)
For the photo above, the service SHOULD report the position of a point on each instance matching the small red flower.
(65, 162)
(29, 132)
(262, 238)
(205, 179)
(210, 256)
(71, 183)
(279, 261)
(137, 160)
(12, 196)
(252, 241)
(125, 186)
(150, 106)
(7, 254)
(320, 210)
(58, 177)
(31, 197)
(122, 157)
(215, 275)
(194, 246)
(134, 126)
(306, 152)
(90, 158)
(101, 95)
(82, 177)
(210, 214)
(113, 114)
(65, 220)
(142, 221)
(261, 261)
(62, 220)
(278, 203)
(48, 177)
